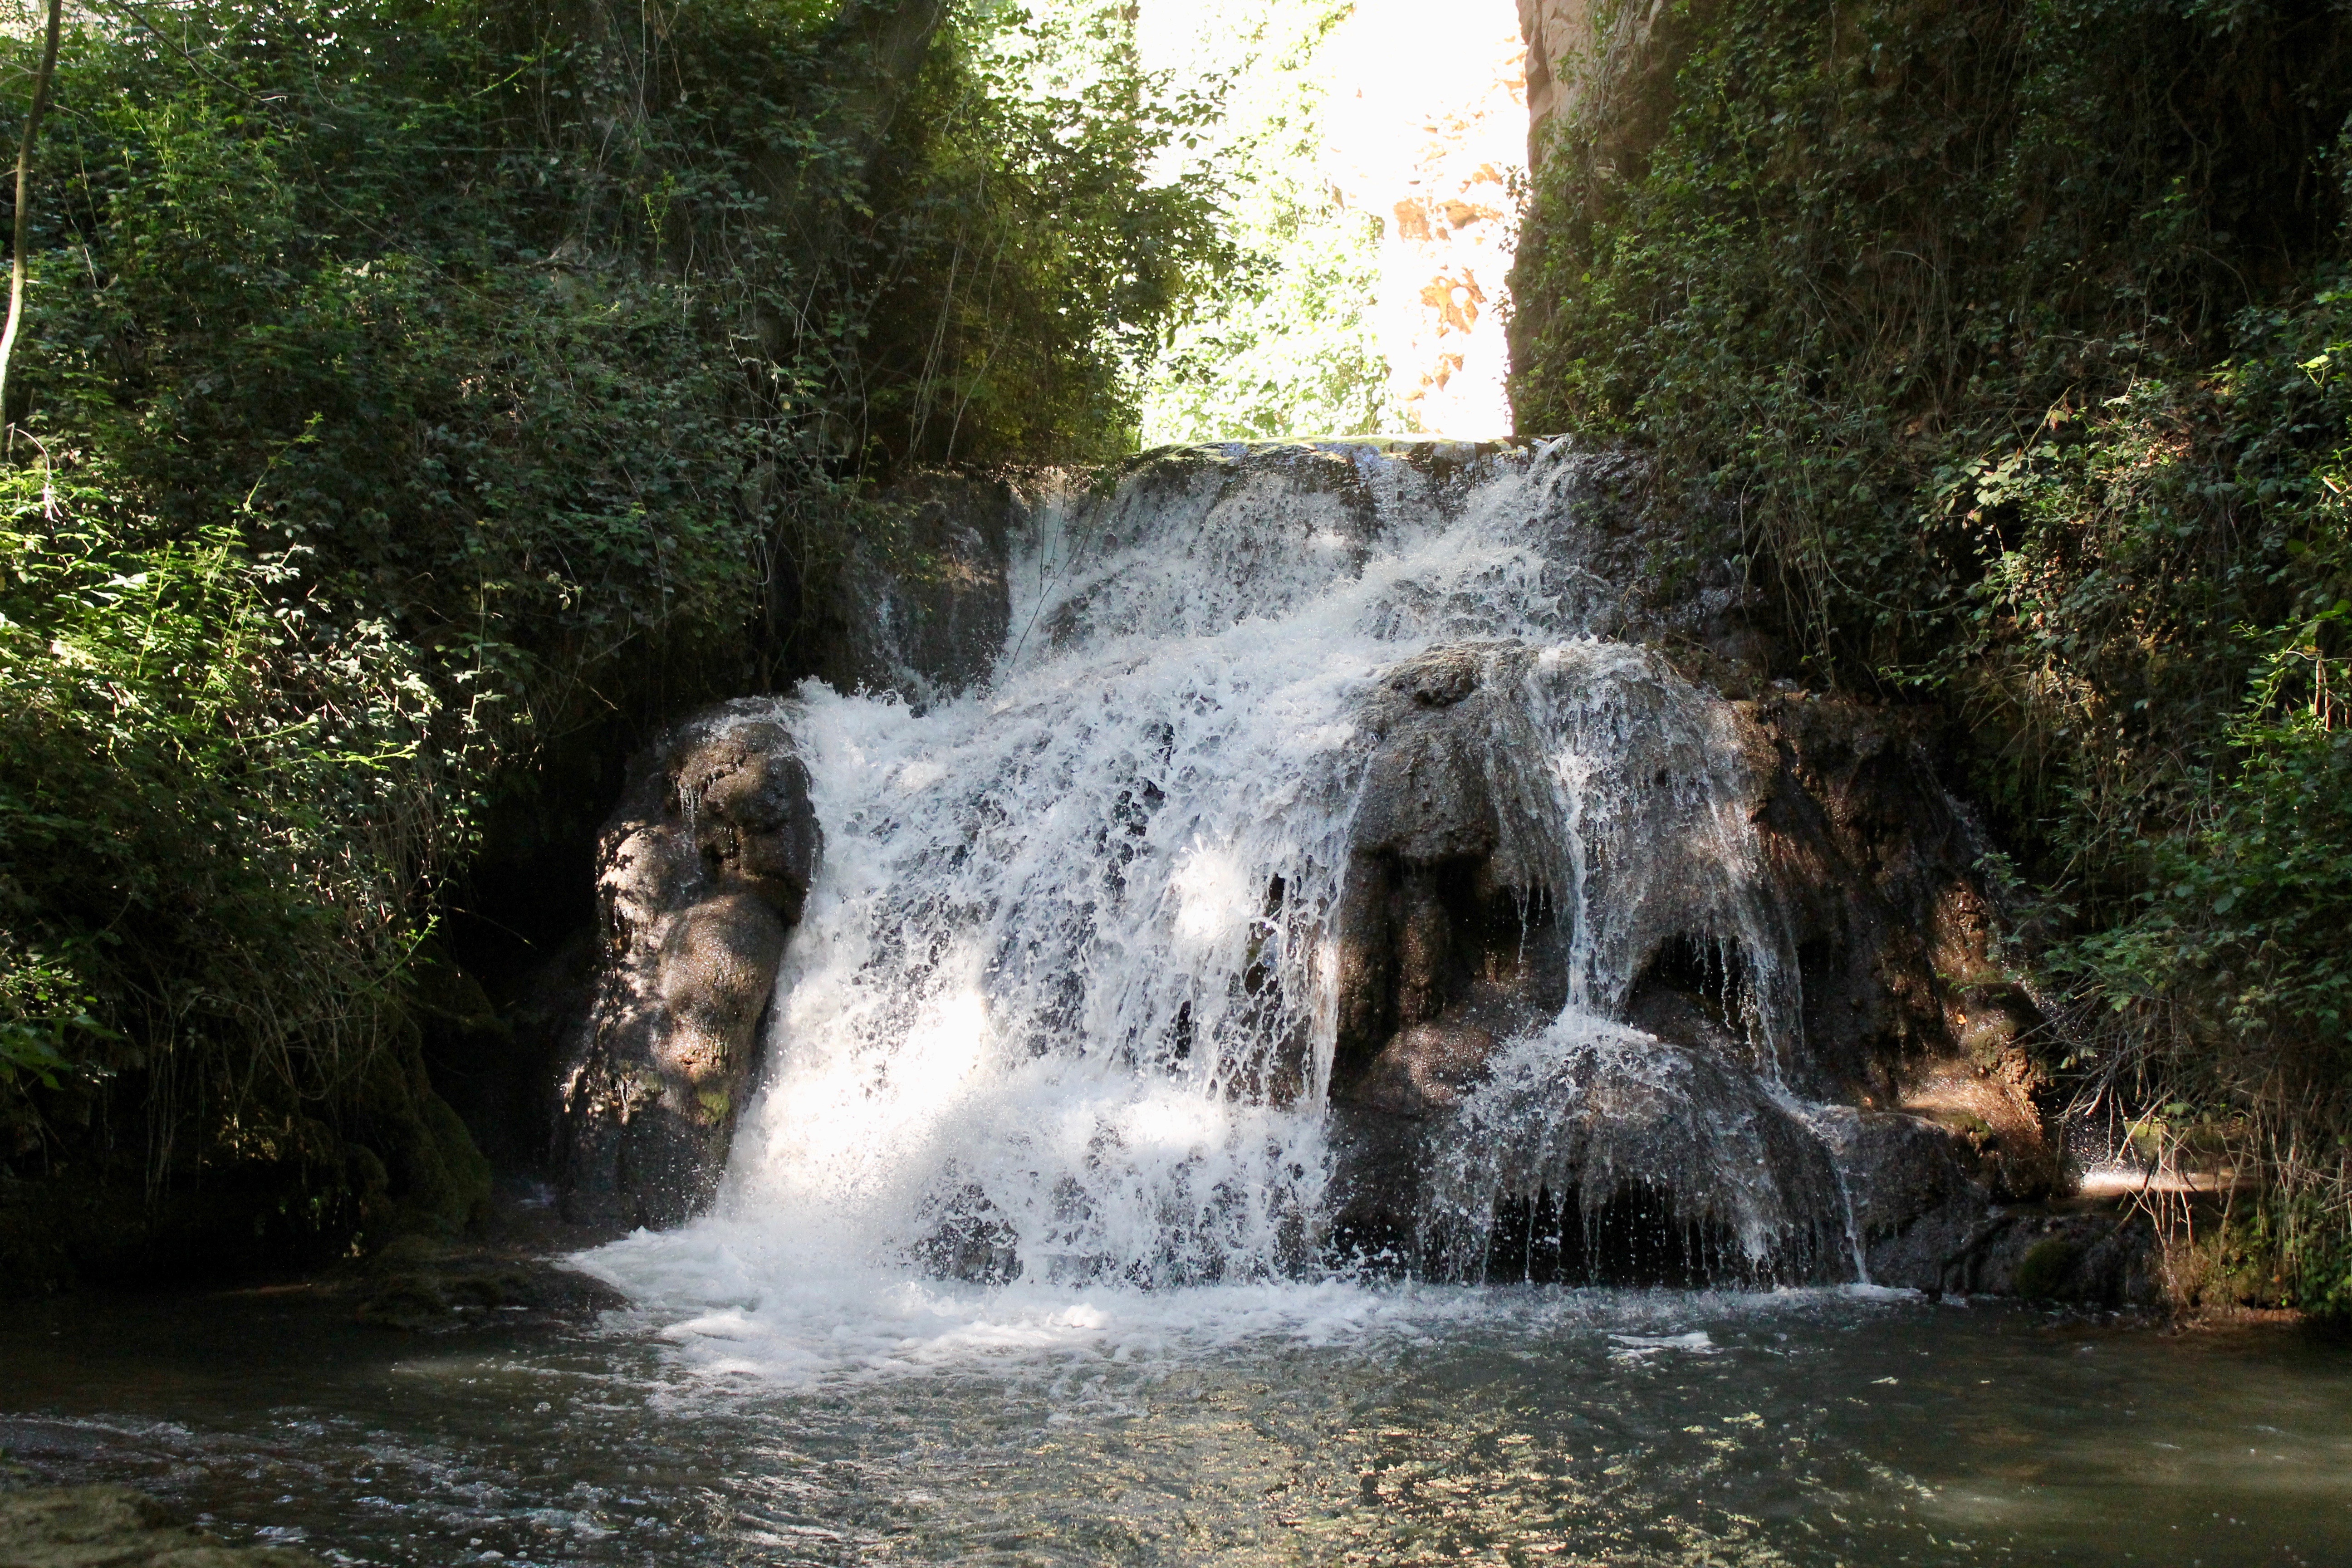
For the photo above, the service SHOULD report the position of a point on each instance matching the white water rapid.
(1059, 1019)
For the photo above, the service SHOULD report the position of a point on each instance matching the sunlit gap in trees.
(1373, 156)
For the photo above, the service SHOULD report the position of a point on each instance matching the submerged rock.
(702, 871)
(115, 1527)
(419, 1284)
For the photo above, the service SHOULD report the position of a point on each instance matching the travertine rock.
(701, 873)
(1654, 1134)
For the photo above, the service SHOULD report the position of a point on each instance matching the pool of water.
(1302, 1423)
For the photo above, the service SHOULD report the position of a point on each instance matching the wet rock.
(924, 600)
(2094, 1257)
(1992, 1115)
(1593, 1154)
(418, 1284)
(1794, 950)
(1928, 1206)
(1446, 927)
(115, 1527)
(505, 1083)
(701, 873)
(1859, 837)
(1904, 1006)
(1452, 937)
(1903, 1171)
(1424, 1070)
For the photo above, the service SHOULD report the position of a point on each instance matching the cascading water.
(1073, 984)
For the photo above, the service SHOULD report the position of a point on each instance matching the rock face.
(1902, 1000)
(1570, 44)
(924, 603)
(1448, 936)
(1556, 33)
(1937, 1214)
(115, 1527)
(1761, 1040)
(701, 872)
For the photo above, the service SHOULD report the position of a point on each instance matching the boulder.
(702, 871)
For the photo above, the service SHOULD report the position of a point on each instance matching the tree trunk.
(24, 197)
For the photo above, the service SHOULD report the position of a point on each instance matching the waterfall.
(1070, 1000)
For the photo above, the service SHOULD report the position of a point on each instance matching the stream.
(1284, 1424)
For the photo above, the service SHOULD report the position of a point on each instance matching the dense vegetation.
(2013, 343)
(407, 386)
(1288, 344)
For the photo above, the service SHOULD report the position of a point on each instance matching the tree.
(41, 80)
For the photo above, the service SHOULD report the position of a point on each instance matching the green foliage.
(2004, 342)
(2043, 1272)
(2318, 1253)
(1288, 345)
(1068, 251)
(213, 808)
(45, 1008)
(409, 384)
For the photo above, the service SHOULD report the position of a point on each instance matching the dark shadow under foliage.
(417, 401)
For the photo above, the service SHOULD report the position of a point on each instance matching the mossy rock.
(2046, 1272)
(463, 1193)
(437, 1182)
(406, 1255)
(409, 1302)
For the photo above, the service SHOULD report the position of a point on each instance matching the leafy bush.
(1288, 345)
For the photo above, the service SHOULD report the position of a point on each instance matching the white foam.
(715, 1292)
(1640, 1347)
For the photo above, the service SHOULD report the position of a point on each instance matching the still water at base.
(1278, 1425)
